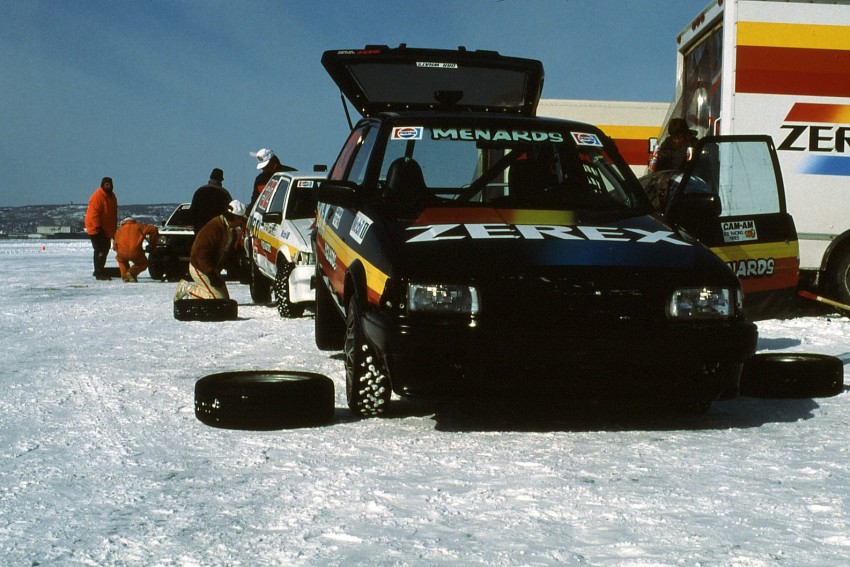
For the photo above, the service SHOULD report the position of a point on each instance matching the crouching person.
(128, 247)
(209, 251)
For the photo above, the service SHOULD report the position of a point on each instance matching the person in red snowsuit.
(128, 247)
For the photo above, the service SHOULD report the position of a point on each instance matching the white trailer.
(782, 68)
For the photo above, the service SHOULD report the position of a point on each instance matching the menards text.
(434, 232)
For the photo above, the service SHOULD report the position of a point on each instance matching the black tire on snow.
(329, 327)
(155, 271)
(205, 309)
(367, 386)
(264, 400)
(792, 375)
(840, 284)
(261, 288)
(285, 308)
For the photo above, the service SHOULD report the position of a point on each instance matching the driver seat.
(405, 181)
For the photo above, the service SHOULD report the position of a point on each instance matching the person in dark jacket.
(268, 164)
(209, 251)
(677, 149)
(209, 201)
(101, 224)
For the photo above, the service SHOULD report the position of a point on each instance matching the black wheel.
(264, 400)
(329, 326)
(792, 375)
(285, 308)
(840, 283)
(261, 288)
(155, 271)
(205, 309)
(367, 387)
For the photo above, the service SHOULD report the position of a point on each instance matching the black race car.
(468, 249)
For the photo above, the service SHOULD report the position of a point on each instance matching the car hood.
(300, 230)
(480, 243)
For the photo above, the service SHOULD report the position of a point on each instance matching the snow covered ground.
(102, 461)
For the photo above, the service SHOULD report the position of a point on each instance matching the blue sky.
(156, 93)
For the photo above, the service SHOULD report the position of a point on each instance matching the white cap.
(237, 208)
(263, 157)
(127, 219)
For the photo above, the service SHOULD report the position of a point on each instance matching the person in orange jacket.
(101, 223)
(128, 247)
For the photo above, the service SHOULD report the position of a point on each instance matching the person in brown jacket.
(128, 247)
(101, 223)
(208, 254)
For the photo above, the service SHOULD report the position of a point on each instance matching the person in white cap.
(268, 164)
(208, 255)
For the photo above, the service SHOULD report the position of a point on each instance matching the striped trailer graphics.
(793, 59)
(632, 141)
(343, 256)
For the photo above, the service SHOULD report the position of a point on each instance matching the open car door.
(731, 197)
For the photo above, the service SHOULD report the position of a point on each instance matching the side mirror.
(273, 217)
(338, 193)
(694, 208)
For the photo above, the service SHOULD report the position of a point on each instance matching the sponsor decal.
(436, 65)
(406, 133)
(305, 183)
(330, 256)
(487, 135)
(761, 267)
(480, 231)
(265, 246)
(337, 218)
(360, 227)
(739, 231)
(585, 139)
(821, 129)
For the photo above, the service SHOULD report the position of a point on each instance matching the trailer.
(781, 68)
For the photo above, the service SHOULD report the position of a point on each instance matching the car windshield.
(180, 217)
(548, 167)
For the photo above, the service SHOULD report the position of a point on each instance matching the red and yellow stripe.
(793, 59)
(632, 141)
(823, 113)
(786, 265)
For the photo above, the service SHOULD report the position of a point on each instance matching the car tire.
(155, 272)
(264, 400)
(261, 288)
(840, 284)
(367, 386)
(329, 327)
(285, 308)
(206, 310)
(792, 375)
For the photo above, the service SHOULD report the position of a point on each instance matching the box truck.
(781, 68)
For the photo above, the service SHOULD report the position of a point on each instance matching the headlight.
(704, 303)
(441, 298)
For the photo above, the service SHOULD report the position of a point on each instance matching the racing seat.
(405, 182)
(525, 180)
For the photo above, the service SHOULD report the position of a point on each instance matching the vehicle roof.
(414, 116)
(379, 78)
(302, 174)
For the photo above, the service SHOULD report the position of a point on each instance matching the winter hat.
(128, 219)
(104, 180)
(263, 156)
(237, 208)
(678, 126)
(217, 175)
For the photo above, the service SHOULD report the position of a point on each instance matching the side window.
(361, 160)
(351, 163)
(277, 201)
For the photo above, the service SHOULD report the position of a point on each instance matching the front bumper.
(492, 359)
(302, 284)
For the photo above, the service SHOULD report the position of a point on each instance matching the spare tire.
(792, 375)
(264, 399)
(205, 309)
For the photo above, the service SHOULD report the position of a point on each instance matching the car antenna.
(345, 108)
